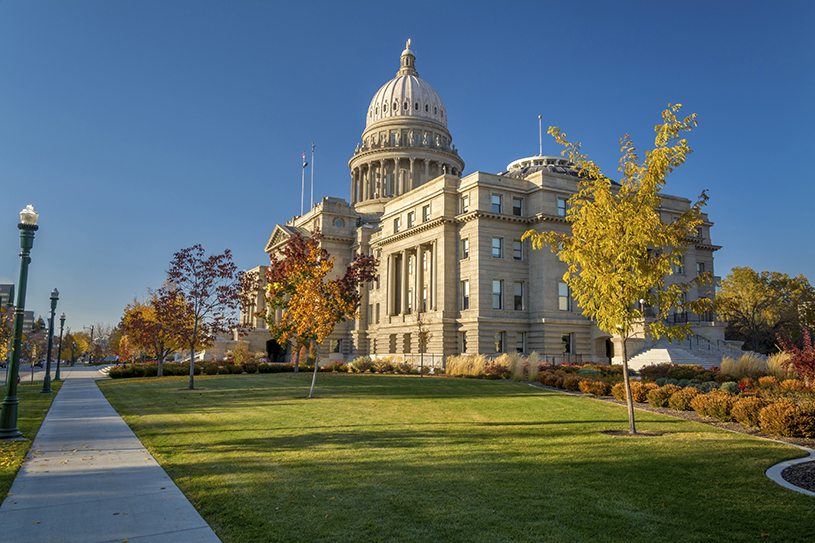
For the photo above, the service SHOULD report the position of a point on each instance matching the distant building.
(450, 247)
(6, 293)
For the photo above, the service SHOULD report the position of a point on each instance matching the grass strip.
(399, 458)
(31, 412)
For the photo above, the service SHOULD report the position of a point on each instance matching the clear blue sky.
(140, 128)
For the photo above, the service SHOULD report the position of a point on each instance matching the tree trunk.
(192, 353)
(314, 376)
(629, 401)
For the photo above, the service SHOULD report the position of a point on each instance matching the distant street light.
(59, 351)
(46, 382)
(8, 416)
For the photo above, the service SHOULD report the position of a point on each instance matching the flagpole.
(303, 185)
(312, 173)
(540, 136)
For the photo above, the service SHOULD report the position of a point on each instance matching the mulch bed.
(800, 475)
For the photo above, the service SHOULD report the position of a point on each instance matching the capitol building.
(451, 260)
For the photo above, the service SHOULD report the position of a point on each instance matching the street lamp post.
(46, 382)
(59, 351)
(8, 416)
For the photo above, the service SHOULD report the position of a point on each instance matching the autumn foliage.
(802, 359)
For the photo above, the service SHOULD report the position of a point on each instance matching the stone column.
(432, 289)
(405, 257)
(383, 182)
(353, 188)
(397, 189)
(426, 170)
(411, 181)
(391, 282)
(419, 277)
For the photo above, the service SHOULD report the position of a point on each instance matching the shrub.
(382, 366)
(594, 387)
(222, 370)
(496, 370)
(680, 400)
(235, 368)
(639, 391)
(684, 371)
(671, 381)
(749, 365)
(361, 364)
(731, 386)
(618, 391)
(768, 381)
(403, 368)
(659, 397)
(572, 382)
(699, 404)
(719, 405)
(793, 385)
(250, 367)
(662, 381)
(746, 410)
(210, 369)
(707, 386)
(655, 371)
(588, 372)
(789, 419)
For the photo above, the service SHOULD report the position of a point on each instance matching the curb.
(774, 472)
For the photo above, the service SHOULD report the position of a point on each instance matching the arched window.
(406, 105)
(377, 110)
(417, 106)
(434, 110)
(384, 107)
(396, 106)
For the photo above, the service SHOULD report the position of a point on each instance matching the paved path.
(88, 479)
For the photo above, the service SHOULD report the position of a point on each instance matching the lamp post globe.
(46, 382)
(8, 415)
(59, 350)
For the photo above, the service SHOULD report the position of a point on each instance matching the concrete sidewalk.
(88, 479)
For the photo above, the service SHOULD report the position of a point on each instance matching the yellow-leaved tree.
(619, 251)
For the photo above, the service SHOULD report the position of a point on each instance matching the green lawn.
(31, 411)
(392, 458)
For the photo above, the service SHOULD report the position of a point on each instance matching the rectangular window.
(567, 343)
(424, 299)
(497, 246)
(496, 203)
(499, 342)
(465, 295)
(700, 268)
(517, 249)
(409, 300)
(370, 313)
(517, 206)
(462, 342)
(335, 346)
(520, 342)
(397, 223)
(392, 344)
(465, 248)
(563, 299)
(465, 203)
(425, 256)
(497, 294)
(519, 296)
(562, 206)
(377, 314)
(410, 264)
(406, 344)
(680, 268)
(426, 213)
(411, 219)
(377, 282)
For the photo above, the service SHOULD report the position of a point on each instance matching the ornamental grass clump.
(361, 364)
(680, 400)
(748, 365)
(788, 419)
(465, 364)
(778, 365)
(659, 397)
(746, 410)
(382, 366)
(594, 387)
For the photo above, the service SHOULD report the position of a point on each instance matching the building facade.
(452, 266)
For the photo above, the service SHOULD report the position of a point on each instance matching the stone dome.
(406, 95)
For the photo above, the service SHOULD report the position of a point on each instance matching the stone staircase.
(694, 350)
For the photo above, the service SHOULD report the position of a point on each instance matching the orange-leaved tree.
(619, 251)
(311, 303)
(150, 326)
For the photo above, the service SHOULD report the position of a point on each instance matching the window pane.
(497, 294)
(520, 342)
(517, 249)
(519, 296)
(561, 206)
(517, 206)
(465, 248)
(496, 247)
(496, 203)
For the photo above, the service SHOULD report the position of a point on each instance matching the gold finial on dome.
(407, 44)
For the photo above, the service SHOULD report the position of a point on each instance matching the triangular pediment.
(281, 235)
